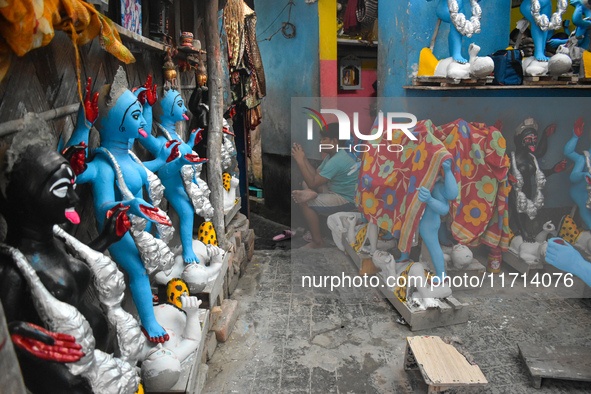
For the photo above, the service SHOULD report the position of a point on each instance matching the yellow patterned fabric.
(359, 238)
(174, 290)
(226, 178)
(30, 24)
(401, 292)
(569, 230)
(206, 234)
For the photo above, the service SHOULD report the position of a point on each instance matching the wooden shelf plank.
(232, 212)
(496, 87)
(349, 41)
(140, 40)
(214, 287)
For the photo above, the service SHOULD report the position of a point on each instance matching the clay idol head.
(120, 112)
(170, 107)
(40, 183)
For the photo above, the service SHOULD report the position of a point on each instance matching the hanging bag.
(508, 69)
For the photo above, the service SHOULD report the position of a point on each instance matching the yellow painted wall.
(327, 19)
(516, 16)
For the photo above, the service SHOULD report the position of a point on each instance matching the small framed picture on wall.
(131, 15)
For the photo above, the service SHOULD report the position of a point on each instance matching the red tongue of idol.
(143, 133)
(72, 215)
(532, 148)
(186, 117)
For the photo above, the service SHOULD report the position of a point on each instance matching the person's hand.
(446, 165)
(579, 126)
(562, 255)
(90, 105)
(45, 344)
(297, 152)
(76, 156)
(560, 166)
(424, 194)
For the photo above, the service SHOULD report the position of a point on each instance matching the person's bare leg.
(303, 196)
(314, 225)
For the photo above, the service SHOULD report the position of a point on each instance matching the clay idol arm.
(450, 190)
(576, 177)
(192, 333)
(543, 143)
(569, 148)
(433, 202)
(116, 224)
(44, 344)
(564, 256)
(579, 17)
(87, 115)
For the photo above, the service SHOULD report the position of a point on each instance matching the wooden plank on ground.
(556, 361)
(441, 365)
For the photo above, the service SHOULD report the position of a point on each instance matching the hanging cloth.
(30, 24)
(350, 20)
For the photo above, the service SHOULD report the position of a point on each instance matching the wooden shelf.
(497, 87)
(348, 41)
(141, 41)
(229, 215)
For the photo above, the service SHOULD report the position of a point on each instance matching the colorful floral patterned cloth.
(480, 213)
(388, 181)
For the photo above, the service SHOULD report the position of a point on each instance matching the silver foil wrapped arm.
(197, 192)
(104, 373)
(154, 253)
(228, 151)
(110, 286)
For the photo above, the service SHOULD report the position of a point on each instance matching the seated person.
(329, 189)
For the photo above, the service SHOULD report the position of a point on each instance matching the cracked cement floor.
(289, 339)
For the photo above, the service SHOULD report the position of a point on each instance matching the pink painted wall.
(368, 77)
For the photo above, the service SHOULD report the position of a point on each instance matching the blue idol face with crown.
(173, 107)
(125, 120)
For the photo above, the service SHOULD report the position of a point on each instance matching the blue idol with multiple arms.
(581, 174)
(169, 110)
(117, 179)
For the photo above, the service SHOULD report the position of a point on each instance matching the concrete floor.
(289, 339)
